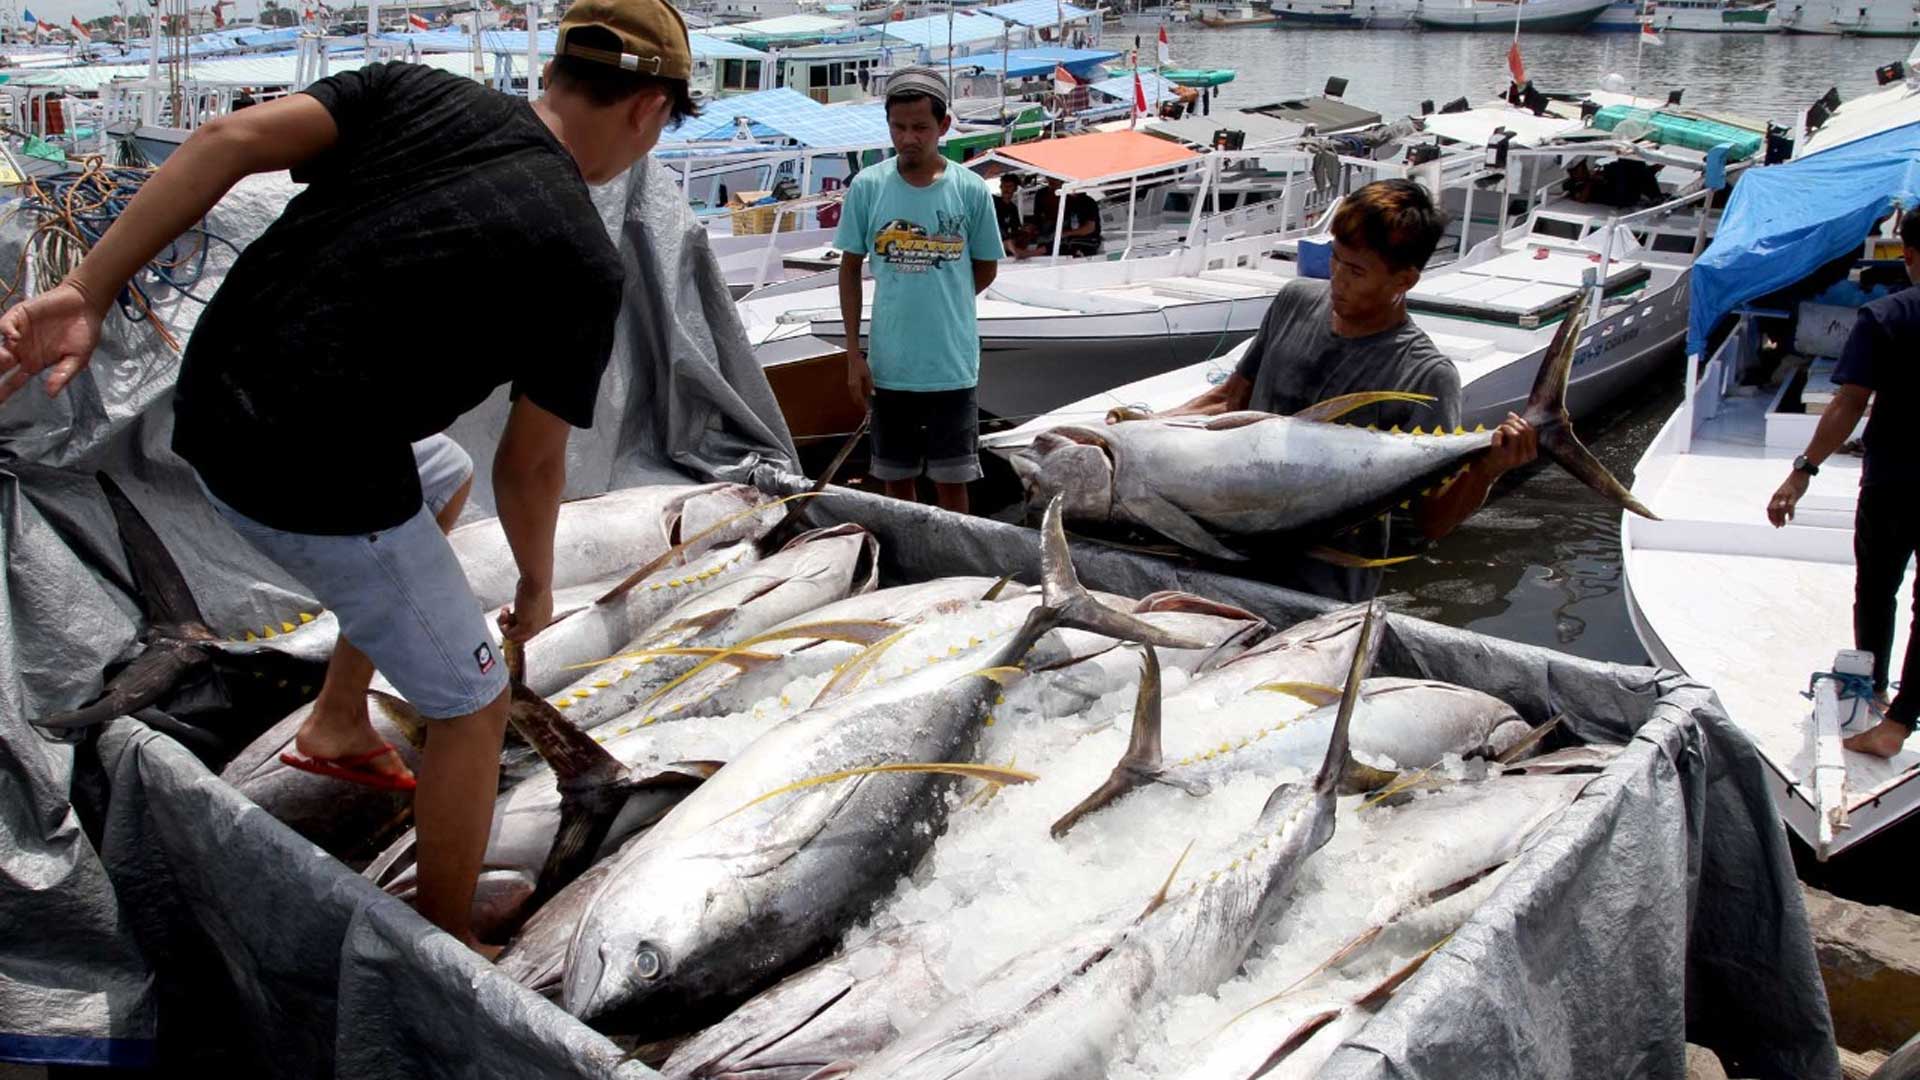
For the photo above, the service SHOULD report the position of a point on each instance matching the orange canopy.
(1080, 158)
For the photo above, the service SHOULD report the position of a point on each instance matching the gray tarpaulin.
(683, 398)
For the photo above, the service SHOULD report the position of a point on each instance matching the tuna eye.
(647, 962)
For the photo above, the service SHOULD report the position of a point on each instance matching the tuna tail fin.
(1546, 410)
(1141, 763)
(150, 677)
(1067, 603)
(164, 597)
(1339, 755)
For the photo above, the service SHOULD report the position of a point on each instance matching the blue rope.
(92, 200)
(1850, 686)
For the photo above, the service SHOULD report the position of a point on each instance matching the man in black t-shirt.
(1879, 364)
(423, 187)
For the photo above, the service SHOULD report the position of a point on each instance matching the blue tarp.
(1785, 221)
(1120, 87)
(930, 32)
(1027, 63)
(1037, 12)
(787, 113)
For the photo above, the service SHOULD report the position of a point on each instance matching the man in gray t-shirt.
(1351, 335)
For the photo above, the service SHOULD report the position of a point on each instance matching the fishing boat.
(1491, 305)
(1344, 14)
(1854, 18)
(1238, 15)
(1713, 590)
(1537, 16)
(1714, 17)
(1619, 17)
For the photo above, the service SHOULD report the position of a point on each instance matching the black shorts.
(932, 431)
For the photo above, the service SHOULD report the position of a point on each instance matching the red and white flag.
(1166, 51)
(79, 28)
(1514, 65)
(1139, 100)
(1063, 80)
(1650, 36)
(418, 22)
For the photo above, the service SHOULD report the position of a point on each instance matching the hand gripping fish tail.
(1546, 410)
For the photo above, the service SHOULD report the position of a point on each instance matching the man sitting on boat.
(1324, 339)
(1877, 367)
(1006, 208)
(1079, 237)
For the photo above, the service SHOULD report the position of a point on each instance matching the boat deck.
(1747, 609)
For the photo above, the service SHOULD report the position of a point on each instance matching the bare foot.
(336, 734)
(1883, 739)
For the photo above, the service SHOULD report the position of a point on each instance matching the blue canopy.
(1785, 221)
(787, 114)
(1026, 63)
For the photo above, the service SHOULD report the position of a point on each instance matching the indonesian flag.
(78, 27)
(418, 22)
(219, 19)
(1514, 65)
(1650, 36)
(1166, 52)
(1139, 99)
(306, 14)
(1063, 80)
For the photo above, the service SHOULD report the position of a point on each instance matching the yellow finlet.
(305, 618)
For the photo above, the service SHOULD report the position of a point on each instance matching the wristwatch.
(1802, 465)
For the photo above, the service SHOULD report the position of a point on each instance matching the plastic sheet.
(683, 398)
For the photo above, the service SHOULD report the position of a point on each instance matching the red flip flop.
(352, 768)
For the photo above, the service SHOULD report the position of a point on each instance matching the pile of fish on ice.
(774, 821)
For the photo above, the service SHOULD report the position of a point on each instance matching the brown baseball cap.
(652, 36)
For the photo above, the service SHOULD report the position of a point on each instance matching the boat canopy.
(1029, 63)
(930, 31)
(1037, 12)
(1120, 87)
(1101, 157)
(1260, 130)
(786, 113)
(1785, 221)
(1324, 113)
(1474, 127)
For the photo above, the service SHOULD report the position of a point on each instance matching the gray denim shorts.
(400, 594)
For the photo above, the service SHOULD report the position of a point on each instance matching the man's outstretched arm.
(56, 331)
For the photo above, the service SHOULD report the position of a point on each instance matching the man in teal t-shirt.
(930, 229)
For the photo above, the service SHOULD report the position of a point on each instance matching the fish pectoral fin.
(165, 599)
(1351, 561)
(1360, 779)
(1166, 887)
(702, 769)
(999, 587)
(1313, 693)
(1175, 524)
(1296, 1039)
(1334, 408)
(831, 1071)
(404, 716)
(1385, 988)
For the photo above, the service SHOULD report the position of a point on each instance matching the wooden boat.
(1488, 16)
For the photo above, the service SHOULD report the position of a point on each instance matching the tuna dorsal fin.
(1067, 603)
(1319, 695)
(1546, 410)
(1141, 762)
(1528, 742)
(1334, 767)
(1336, 407)
(1160, 898)
(164, 597)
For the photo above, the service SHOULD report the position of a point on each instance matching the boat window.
(1229, 200)
(1564, 230)
(740, 75)
(1179, 202)
(1673, 243)
(817, 77)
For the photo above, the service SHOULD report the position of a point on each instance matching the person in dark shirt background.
(1880, 364)
(1080, 236)
(425, 185)
(1006, 207)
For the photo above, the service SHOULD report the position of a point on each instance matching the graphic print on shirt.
(909, 248)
